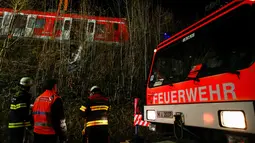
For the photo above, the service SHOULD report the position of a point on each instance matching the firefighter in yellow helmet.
(19, 117)
(95, 113)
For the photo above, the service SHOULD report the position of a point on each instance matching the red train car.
(74, 27)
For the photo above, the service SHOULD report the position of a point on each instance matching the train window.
(100, 29)
(7, 20)
(31, 22)
(59, 25)
(20, 21)
(67, 25)
(91, 27)
(115, 26)
(40, 22)
(1, 19)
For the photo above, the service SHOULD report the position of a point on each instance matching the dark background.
(187, 9)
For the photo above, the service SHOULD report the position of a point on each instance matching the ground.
(165, 142)
(154, 142)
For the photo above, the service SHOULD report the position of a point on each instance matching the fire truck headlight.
(150, 115)
(233, 119)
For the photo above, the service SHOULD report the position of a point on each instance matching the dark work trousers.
(96, 134)
(84, 139)
(16, 135)
(38, 138)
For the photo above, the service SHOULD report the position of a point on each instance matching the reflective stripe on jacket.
(19, 124)
(18, 106)
(42, 113)
(96, 123)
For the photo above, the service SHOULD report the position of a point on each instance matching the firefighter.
(95, 113)
(19, 117)
(48, 115)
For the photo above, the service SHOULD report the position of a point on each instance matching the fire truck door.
(65, 35)
(6, 24)
(30, 25)
(91, 26)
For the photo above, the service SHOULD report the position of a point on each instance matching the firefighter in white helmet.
(95, 113)
(19, 117)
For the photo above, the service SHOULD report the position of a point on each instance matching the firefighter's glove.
(63, 135)
(83, 132)
(64, 141)
(30, 127)
(28, 124)
(63, 138)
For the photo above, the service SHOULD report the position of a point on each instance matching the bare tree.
(17, 6)
(120, 70)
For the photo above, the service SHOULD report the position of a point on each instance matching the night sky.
(181, 8)
(185, 10)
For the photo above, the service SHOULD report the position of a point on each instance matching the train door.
(91, 26)
(75, 30)
(116, 32)
(101, 31)
(6, 24)
(19, 25)
(58, 30)
(65, 35)
(30, 25)
(1, 20)
(49, 26)
(109, 32)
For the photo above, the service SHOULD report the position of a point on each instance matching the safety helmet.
(93, 88)
(26, 81)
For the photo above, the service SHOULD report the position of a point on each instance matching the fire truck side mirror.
(194, 71)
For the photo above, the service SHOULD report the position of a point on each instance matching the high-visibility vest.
(42, 113)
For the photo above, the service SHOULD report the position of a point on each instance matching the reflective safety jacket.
(19, 109)
(42, 114)
(95, 111)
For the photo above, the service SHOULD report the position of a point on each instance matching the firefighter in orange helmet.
(95, 113)
(48, 115)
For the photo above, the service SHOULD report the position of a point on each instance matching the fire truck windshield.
(226, 44)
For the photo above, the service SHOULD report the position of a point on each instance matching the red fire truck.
(201, 83)
(63, 27)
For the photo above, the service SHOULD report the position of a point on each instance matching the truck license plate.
(165, 114)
